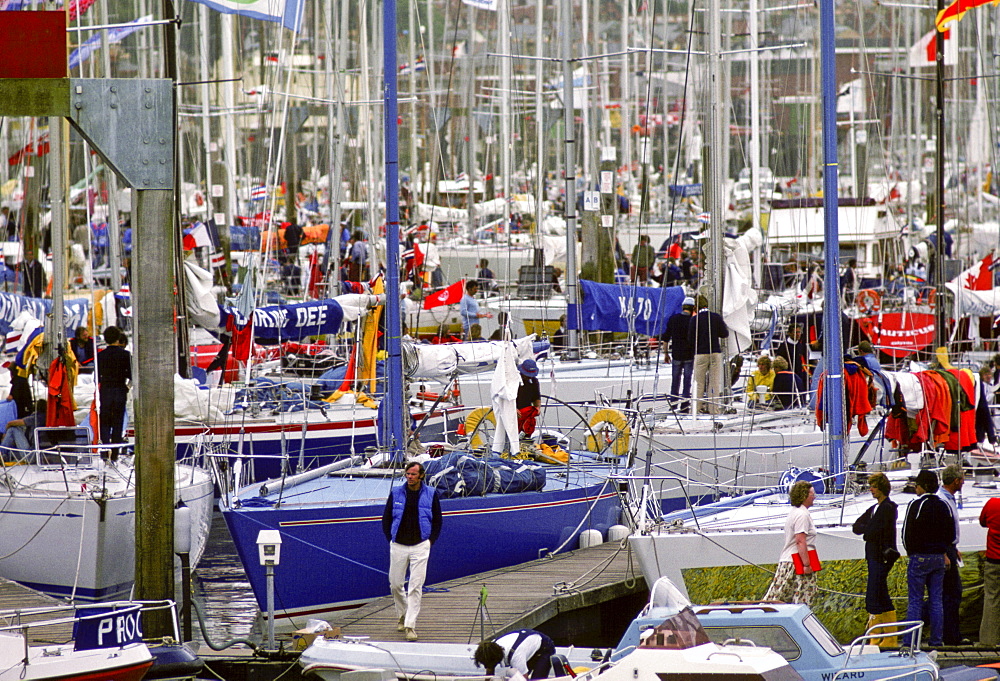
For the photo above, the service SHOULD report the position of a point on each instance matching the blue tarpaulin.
(629, 309)
(462, 475)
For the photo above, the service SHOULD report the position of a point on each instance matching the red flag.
(446, 296)
(979, 277)
(955, 10)
(315, 275)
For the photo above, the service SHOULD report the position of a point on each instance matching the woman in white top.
(800, 538)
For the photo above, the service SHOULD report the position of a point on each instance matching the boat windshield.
(678, 632)
(822, 635)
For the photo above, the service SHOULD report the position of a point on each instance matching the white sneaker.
(411, 634)
(399, 626)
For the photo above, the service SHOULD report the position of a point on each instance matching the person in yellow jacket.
(763, 377)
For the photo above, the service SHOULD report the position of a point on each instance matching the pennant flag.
(196, 236)
(115, 35)
(924, 52)
(288, 13)
(957, 10)
(217, 260)
(419, 65)
(704, 218)
(446, 296)
(258, 193)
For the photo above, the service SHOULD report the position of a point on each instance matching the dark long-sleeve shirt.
(878, 526)
(114, 367)
(705, 331)
(928, 526)
(681, 347)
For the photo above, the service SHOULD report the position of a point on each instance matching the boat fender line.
(616, 419)
(472, 422)
(868, 300)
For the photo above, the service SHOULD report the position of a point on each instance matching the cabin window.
(775, 638)
(822, 635)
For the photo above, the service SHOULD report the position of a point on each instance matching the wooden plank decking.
(518, 597)
(14, 596)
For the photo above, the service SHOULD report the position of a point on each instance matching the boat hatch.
(769, 636)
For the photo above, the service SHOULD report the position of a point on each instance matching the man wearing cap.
(928, 532)
(680, 353)
(529, 397)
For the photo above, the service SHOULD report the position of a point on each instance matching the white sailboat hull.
(60, 537)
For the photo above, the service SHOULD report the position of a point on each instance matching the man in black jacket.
(928, 531)
(705, 333)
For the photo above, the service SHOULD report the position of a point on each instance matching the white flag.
(924, 53)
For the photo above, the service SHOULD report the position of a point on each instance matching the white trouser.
(414, 557)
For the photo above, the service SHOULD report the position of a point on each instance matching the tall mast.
(572, 283)
(833, 355)
(394, 398)
(505, 94)
(940, 310)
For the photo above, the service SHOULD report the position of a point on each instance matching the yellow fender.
(616, 419)
(473, 420)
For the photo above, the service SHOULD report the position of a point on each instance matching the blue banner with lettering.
(99, 627)
(75, 312)
(636, 309)
(289, 322)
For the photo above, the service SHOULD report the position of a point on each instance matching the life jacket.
(425, 509)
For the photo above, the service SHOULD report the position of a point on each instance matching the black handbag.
(889, 555)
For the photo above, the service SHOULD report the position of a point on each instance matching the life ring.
(616, 420)
(868, 300)
(472, 422)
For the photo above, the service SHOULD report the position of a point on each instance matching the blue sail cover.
(629, 309)
(288, 322)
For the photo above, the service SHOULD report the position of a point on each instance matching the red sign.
(43, 34)
(899, 333)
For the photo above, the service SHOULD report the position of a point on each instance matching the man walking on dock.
(411, 522)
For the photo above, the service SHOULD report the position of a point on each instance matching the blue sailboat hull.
(336, 556)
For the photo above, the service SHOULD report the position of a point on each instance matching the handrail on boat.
(628, 477)
(18, 623)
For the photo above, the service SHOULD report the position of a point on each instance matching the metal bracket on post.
(130, 123)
